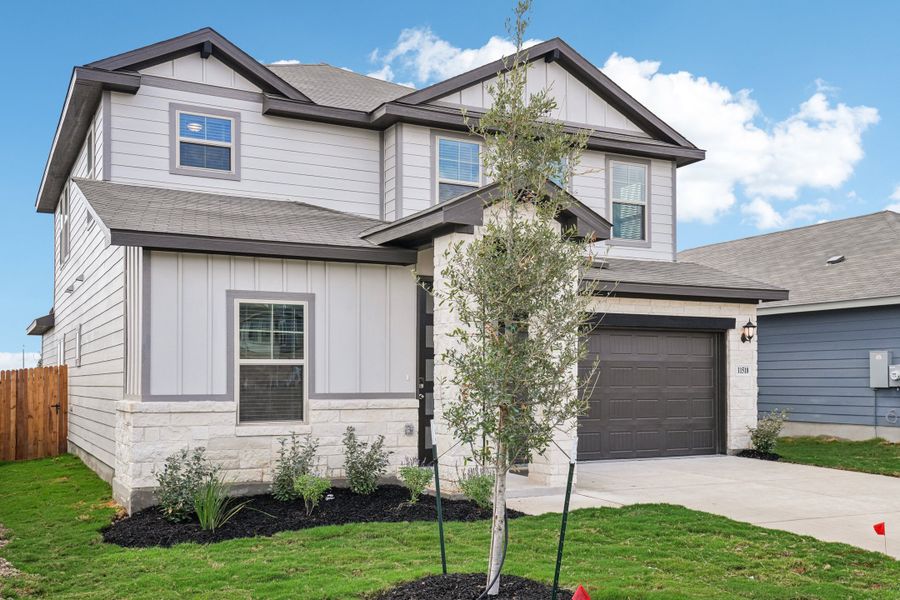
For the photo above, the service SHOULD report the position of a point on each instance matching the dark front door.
(425, 365)
(657, 394)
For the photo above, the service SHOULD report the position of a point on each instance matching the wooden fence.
(34, 408)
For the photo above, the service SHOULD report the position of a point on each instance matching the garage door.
(655, 394)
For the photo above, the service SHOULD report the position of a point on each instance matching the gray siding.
(816, 365)
(96, 304)
(364, 321)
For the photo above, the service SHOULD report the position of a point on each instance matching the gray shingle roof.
(618, 272)
(796, 259)
(332, 86)
(156, 210)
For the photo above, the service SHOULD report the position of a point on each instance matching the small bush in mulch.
(750, 453)
(264, 515)
(469, 586)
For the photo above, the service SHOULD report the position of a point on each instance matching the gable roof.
(208, 42)
(559, 51)
(163, 218)
(797, 259)
(332, 86)
(466, 211)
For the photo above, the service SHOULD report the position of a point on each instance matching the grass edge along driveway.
(53, 509)
(870, 456)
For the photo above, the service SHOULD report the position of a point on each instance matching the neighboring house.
(815, 349)
(235, 246)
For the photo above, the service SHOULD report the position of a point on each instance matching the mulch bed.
(759, 455)
(264, 515)
(468, 587)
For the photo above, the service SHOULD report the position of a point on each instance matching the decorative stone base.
(148, 432)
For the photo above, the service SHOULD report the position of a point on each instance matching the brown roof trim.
(558, 50)
(468, 210)
(451, 118)
(82, 100)
(217, 245)
(662, 290)
(207, 41)
(41, 325)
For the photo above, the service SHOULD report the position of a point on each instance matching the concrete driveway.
(831, 505)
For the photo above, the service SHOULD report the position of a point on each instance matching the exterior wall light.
(747, 331)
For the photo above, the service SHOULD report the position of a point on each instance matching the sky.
(795, 102)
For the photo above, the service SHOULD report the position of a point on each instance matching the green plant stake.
(437, 493)
(565, 517)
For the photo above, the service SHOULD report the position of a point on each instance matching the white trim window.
(458, 167)
(271, 381)
(65, 229)
(629, 200)
(204, 142)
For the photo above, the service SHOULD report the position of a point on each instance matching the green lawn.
(54, 508)
(871, 456)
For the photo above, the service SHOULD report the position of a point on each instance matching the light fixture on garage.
(747, 331)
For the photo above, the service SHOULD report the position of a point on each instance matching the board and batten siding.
(576, 104)
(816, 365)
(281, 159)
(194, 68)
(94, 271)
(364, 321)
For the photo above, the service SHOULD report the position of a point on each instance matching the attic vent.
(836, 259)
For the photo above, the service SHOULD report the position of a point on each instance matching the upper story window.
(629, 200)
(271, 363)
(65, 230)
(459, 167)
(204, 142)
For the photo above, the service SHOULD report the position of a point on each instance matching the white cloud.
(423, 56)
(763, 215)
(13, 360)
(817, 147)
(895, 195)
(286, 61)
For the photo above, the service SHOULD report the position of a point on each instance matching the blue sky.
(796, 102)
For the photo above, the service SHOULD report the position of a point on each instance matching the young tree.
(515, 288)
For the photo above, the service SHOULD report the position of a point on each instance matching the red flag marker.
(580, 594)
(879, 528)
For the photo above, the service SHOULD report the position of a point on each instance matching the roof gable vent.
(839, 258)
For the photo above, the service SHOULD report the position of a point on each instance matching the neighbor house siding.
(816, 365)
(364, 321)
(96, 304)
(282, 159)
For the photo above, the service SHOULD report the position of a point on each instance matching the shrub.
(296, 457)
(182, 475)
(312, 489)
(415, 478)
(477, 484)
(363, 463)
(764, 436)
(213, 506)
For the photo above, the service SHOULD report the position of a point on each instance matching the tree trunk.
(498, 523)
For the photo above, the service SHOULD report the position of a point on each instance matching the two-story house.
(235, 245)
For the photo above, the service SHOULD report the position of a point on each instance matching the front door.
(425, 365)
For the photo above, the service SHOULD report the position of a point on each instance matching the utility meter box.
(879, 364)
(894, 376)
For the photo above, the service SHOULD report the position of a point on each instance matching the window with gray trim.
(271, 380)
(628, 192)
(458, 167)
(205, 142)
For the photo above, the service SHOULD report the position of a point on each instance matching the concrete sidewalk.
(828, 504)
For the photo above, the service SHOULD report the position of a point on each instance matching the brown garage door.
(656, 394)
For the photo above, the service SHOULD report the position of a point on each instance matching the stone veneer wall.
(148, 432)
